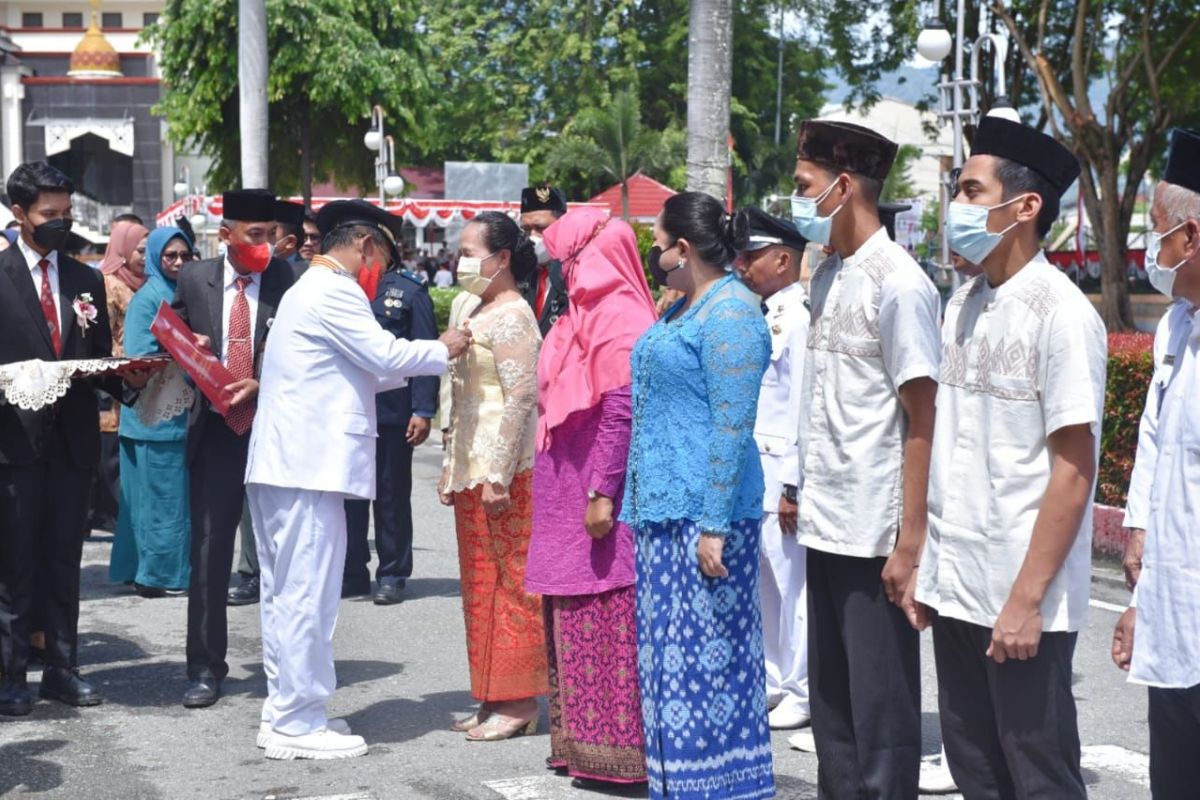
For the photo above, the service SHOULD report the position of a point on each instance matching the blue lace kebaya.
(696, 378)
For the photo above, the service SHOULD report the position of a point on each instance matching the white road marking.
(1113, 760)
(538, 787)
(1106, 606)
(359, 796)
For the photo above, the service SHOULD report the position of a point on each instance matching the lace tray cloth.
(34, 384)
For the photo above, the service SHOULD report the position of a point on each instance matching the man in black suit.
(546, 291)
(229, 302)
(46, 456)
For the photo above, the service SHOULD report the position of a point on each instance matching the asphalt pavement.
(402, 676)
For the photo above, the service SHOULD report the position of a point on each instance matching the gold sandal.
(474, 721)
(498, 728)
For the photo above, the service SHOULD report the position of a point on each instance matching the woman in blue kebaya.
(694, 496)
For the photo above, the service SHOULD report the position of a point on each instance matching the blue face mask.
(966, 228)
(811, 225)
(1161, 278)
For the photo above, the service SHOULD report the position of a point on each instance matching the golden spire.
(94, 56)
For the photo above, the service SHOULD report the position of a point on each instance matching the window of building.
(111, 19)
(32, 19)
(72, 19)
(149, 18)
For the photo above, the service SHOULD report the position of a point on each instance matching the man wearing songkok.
(770, 251)
(1158, 638)
(866, 425)
(229, 302)
(288, 232)
(312, 448)
(546, 292)
(1007, 561)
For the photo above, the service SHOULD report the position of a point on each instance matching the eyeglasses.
(181, 257)
(312, 237)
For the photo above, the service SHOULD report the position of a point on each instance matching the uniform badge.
(543, 194)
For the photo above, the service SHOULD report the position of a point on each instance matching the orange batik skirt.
(506, 645)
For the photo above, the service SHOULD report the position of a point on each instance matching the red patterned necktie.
(240, 356)
(49, 308)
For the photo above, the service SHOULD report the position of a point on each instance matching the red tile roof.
(646, 197)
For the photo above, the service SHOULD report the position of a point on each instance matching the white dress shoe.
(803, 741)
(319, 745)
(935, 776)
(786, 716)
(337, 725)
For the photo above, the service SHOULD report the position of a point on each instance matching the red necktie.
(240, 356)
(49, 308)
(541, 294)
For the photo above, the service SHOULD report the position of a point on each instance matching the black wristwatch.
(790, 493)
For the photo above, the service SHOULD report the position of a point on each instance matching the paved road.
(402, 675)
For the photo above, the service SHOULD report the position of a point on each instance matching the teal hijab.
(158, 287)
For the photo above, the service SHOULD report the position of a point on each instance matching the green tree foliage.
(899, 185)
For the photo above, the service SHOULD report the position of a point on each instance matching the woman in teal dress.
(153, 535)
(693, 493)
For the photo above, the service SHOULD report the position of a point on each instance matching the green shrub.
(442, 298)
(1130, 369)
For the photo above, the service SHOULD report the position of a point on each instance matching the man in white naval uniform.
(770, 251)
(313, 446)
(1158, 639)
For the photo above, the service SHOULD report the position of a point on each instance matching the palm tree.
(710, 79)
(610, 141)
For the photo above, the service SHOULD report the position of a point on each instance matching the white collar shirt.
(777, 425)
(35, 272)
(1170, 336)
(1166, 642)
(229, 295)
(874, 328)
(1019, 362)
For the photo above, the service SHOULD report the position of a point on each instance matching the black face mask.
(657, 273)
(53, 234)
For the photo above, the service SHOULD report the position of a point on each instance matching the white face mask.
(967, 231)
(470, 274)
(1161, 278)
(811, 225)
(539, 249)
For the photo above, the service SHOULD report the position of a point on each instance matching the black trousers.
(393, 515)
(248, 555)
(864, 681)
(1174, 743)
(43, 509)
(1009, 729)
(215, 477)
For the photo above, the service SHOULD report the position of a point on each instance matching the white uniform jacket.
(326, 357)
(776, 430)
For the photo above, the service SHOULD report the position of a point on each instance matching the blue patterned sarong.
(700, 659)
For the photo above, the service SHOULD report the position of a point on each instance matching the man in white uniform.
(1008, 557)
(868, 408)
(770, 251)
(312, 447)
(1158, 638)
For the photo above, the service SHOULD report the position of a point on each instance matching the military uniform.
(403, 307)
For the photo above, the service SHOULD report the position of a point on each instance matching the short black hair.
(345, 235)
(701, 219)
(287, 229)
(501, 233)
(310, 217)
(134, 218)
(30, 180)
(872, 188)
(1019, 179)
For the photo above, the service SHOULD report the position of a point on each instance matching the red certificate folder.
(201, 366)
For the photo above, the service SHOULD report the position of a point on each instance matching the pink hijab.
(122, 240)
(587, 352)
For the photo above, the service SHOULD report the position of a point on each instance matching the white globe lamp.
(934, 42)
(372, 139)
(393, 184)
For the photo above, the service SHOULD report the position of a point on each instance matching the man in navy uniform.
(546, 292)
(403, 307)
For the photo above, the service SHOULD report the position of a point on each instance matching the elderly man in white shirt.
(1158, 639)
(870, 380)
(770, 252)
(1007, 561)
(312, 447)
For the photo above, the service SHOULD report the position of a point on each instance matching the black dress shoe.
(15, 700)
(244, 594)
(389, 594)
(66, 686)
(554, 764)
(149, 592)
(356, 589)
(201, 693)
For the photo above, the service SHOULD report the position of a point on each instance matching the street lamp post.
(386, 177)
(934, 44)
